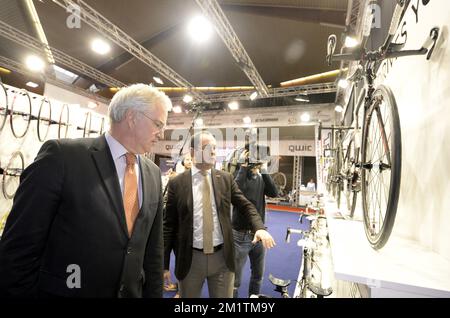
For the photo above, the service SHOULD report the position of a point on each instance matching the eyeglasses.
(159, 125)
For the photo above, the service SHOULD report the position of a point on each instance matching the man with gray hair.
(87, 217)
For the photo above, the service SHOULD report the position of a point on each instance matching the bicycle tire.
(11, 117)
(6, 194)
(60, 123)
(392, 151)
(3, 106)
(41, 137)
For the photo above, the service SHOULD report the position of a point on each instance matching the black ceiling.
(285, 39)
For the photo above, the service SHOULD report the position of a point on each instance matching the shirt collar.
(195, 170)
(116, 148)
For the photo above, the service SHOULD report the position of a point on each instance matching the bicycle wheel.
(22, 98)
(64, 114)
(3, 105)
(381, 166)
(44, 119)
(349, 194)
(11, 175)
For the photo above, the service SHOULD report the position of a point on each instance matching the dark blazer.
(178, 221)
(67, 210)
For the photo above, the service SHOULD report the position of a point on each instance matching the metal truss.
(354, 10)
(116, 35)
(60, 57)
(214, 13)
(274, 92)
(49, 78)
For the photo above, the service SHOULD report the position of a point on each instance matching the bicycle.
(378, 160)
(314, 242)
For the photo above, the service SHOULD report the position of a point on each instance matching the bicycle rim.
(381, 160)
(46, 121)
(64, 110)
(11, 183)
(3, 106)
(26, 116)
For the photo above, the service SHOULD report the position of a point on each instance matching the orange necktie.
(130, 192)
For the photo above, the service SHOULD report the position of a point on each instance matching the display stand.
(402, 268)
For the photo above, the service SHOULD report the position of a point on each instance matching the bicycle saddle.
(319, 291)
(279, 282)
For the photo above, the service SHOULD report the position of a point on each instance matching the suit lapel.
(188, 192)
(146, 179)
(215, 177)
(107, 170)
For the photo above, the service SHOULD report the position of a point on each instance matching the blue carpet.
(282, 261)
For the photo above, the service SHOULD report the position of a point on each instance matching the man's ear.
(130, 117)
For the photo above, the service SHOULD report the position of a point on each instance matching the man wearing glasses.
(87, 217)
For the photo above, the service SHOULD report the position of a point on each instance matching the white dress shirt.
(197, 185)
(118, 154)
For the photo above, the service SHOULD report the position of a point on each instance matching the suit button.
(129, 250)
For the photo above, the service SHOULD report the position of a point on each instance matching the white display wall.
(29, 144)
(422, 92)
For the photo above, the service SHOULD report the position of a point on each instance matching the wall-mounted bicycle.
(378, 160)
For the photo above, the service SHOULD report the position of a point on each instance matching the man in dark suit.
(87, 217)
(198, 223)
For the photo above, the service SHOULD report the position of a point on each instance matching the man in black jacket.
(87, 217)
(255, 186)
(198, 224)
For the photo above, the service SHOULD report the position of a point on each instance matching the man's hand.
(265, 237)
(167, 278)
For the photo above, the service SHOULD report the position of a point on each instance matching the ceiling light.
(303, 99)
(92, 105)
(305, 117)
(343, 83)
(253, 95)
(4, 70)
(350, 41)
(32, 84)
(34, 63)
(233, 105)
(247, 120)
(200, 29)
(339, 108)
(158, 80)
(177, 109)
(99, 46)
(198, 122)
(187, 98)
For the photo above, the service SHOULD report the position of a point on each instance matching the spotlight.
(233, 105)
(187, 98)
(99, 46)
(339, 108)
(305, 117)
(34, 63)
(158, 80)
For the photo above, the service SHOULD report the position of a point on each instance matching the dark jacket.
(255, 188)
(178, 223)
(68, 210)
